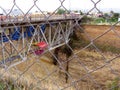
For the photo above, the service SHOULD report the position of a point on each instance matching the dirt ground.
(88, 70)
(84, 71)
(103, 34)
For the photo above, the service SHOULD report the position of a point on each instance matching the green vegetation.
(100, 20)
(87, 19)
(7, 86)
(60, 11)
(2, 85)
(92, 20)
(114, 85)
(104, 18)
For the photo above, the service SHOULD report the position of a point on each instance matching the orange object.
(42, 44)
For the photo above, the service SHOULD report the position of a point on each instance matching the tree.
(87, 19)
(81, 13)
(76, 11)
(60, 11)
(116, 15)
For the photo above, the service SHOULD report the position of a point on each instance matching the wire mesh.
(60, 49)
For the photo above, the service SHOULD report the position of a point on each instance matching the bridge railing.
(38, 18)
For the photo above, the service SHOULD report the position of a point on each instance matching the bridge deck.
(34, 21)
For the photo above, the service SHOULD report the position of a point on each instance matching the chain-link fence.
(51, 45)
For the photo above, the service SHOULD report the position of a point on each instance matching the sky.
(52, 5)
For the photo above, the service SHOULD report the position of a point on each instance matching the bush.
(100, 20)
(114, 85)
(60, 11)
(87, 19)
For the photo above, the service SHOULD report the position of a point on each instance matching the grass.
(39, 77)
(111, 37)
(102, 47)
(27, 81)
(108, 48)
(98, 20)
(107, 43)
(114, 85)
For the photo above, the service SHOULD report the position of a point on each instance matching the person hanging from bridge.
(40, 47)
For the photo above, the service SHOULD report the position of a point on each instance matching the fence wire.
(60, 49)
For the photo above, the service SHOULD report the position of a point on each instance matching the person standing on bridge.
(30, 17)
(65, 15)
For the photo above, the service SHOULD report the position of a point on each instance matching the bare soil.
(103, 34)
(88, 70)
